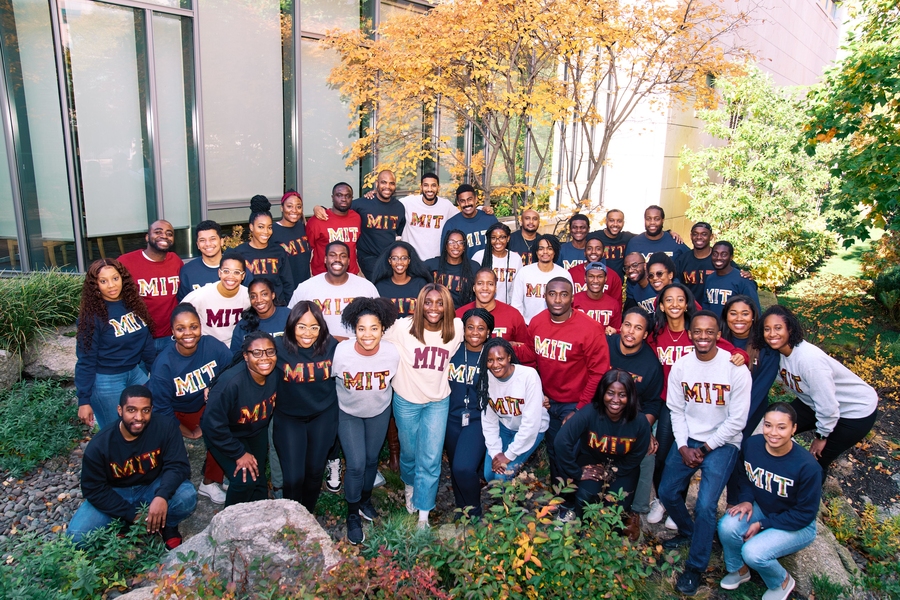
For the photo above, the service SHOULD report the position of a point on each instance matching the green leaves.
(31, 304)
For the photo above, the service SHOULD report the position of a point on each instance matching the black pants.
(558, 412)
(666, 439)
(238, 489)
(589, 492)
(465, 452)
(846, 433)
(302, 444)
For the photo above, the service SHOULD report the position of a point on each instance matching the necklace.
(674, 339)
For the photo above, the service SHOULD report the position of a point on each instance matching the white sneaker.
(781, 593)
(409, 499)
(225, 483)
(657, 511)
(333, 481)
(212, 491)
(379, 479)
(670, 524)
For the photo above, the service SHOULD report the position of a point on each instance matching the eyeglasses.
(228, 272)
(636, 267)
(656, 274)
(303, 328)
(499, 238)
(398, 259)
(259, 352)
(455, 242)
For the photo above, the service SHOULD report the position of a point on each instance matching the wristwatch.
(819, 436)
(704, 450)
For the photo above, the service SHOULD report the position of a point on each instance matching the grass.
(32, 304)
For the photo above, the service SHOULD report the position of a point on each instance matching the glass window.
(319, 16)
(9, 243)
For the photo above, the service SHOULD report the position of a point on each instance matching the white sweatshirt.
(332, 299)
(218, 314)
(529, 288)
(364, 382)
(506, 270)
(518, 403)
(425, 224)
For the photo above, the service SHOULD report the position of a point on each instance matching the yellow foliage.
(881, 371)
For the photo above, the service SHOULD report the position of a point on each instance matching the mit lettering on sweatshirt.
(364, 382)
(178, 383)
(237, 408)
(270, 263)
(518, 403)
(219, 314)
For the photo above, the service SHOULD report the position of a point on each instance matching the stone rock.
(52, 355)
(824, 557)
(245, 532)
(141, 593)
(10, 369)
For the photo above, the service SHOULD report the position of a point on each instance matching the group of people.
(437, 328)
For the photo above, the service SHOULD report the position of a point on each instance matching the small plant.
(878, 539)
(38, 420)
(886, 290)
(398, 535)
(32, 304)
(826, 589)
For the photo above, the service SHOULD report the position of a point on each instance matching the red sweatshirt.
(335, 229)
(612, 288)
(509, 325)
(158, 286)
(572, 356)
(605, 311)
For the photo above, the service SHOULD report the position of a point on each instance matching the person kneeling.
(614, 438)
(135, 461)
(779, 498)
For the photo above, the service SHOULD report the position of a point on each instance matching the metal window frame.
(12, 163)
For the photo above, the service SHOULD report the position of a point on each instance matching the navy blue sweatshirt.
(403, 296)
(718, 289)
(294, 243)
(117, 346)
(110, 461)
(635, 295)
(451, 277)
(178, 383)
(693, 271)
(380, 224)
(787, 488)
(613, 249)
(463, 379)
(766, 366)
(272, 264)
(570, 256)
(237, 408)
(524, 249)
(646, 370)
(641, 243)
(305, 384)
(196, 273)
(274, 325)
(475, 230)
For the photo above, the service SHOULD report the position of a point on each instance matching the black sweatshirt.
(272, 264)
(305, 384)
(380, 224)
(110, 461)
(237, 408)
(646, 370)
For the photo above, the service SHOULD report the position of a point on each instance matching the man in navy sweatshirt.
(655, 238)
(471, 221)
(136, 461)
(727, 281)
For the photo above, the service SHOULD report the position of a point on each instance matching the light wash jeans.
(506, 438)
(761, 552)
(421, 429)
(107, 391)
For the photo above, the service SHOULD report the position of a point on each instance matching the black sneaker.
(171, 536)
(688, 582)
(367, 511)
(355, 533)
(676, 542)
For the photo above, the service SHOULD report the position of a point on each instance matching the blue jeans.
(107, 391)
(421, 429)
(715, 471)
(761, 552)
(506, 437)
(88, 518)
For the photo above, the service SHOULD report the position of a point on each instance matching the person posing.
(638, 291)
(334, 289)
(771, 520)
(426, 215)
(364, 368)
(654, 238)
(522, 241)
(571, 253)
(695, 266)
(290, 234)
(454, 269)
(383, 219)
(426, 341)
(473, 223)
(614, 241)
(727, 281)
(514, 419)
(342, 224)
(261, 315)
(572, 356)
(265, 260)
(114, 337)
(504, 262)
(530, 284)
(234, 424)
(180, 377)
(708, 397)
(830, 399)
(155, 269)
(141, 461)
(602, 446)
(399, 275)
(464, 440)
(221, 304)
(306, 416)
(205, 269)
(594, 303)
(593, 252)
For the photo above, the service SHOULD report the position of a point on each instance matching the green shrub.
(398, 534)
(38, 420)
(31, 304)
(886, 290)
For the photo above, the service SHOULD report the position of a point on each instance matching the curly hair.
(249, 317)
(381, 308)
(795, 329)
(259, 207)
(93, 308)
(550, 239)
(481, 386)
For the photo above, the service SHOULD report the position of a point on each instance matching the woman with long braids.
(514, 420)
(399, 275)
(364, 368)
(264, 259)
(237, 416)
(464, 440)
(504, 263)
(290, 234)
(453, 269)
(115, 335)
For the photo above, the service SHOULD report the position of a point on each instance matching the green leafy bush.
(38, 420)
(398, 534)
(31, 304)
(886, 289)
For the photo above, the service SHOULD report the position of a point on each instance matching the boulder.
(10, 369)
(281, 532)
(52, 355)
(141, 593)
(824, 557)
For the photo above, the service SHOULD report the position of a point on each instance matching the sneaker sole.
(352, 543)
(734, 586)
(333, 490)
(210, 498)
(366, 517)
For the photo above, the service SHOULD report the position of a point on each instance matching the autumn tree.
(859, 102)
(513, 70)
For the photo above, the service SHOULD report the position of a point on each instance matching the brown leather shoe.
(393, 440)
(633, 526)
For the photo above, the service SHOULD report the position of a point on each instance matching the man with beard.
(134, 462)
(638, 291)
(156, 270)
(695, 266)
(594, 303)
(654, 238)
(522, 241)
(614, 240)
(426, 216)
(593, 252)
(727, 281)
(343, 225)
(472, 222)
(333, 290)
(571, 253)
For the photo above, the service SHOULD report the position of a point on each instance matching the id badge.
(465, 418)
